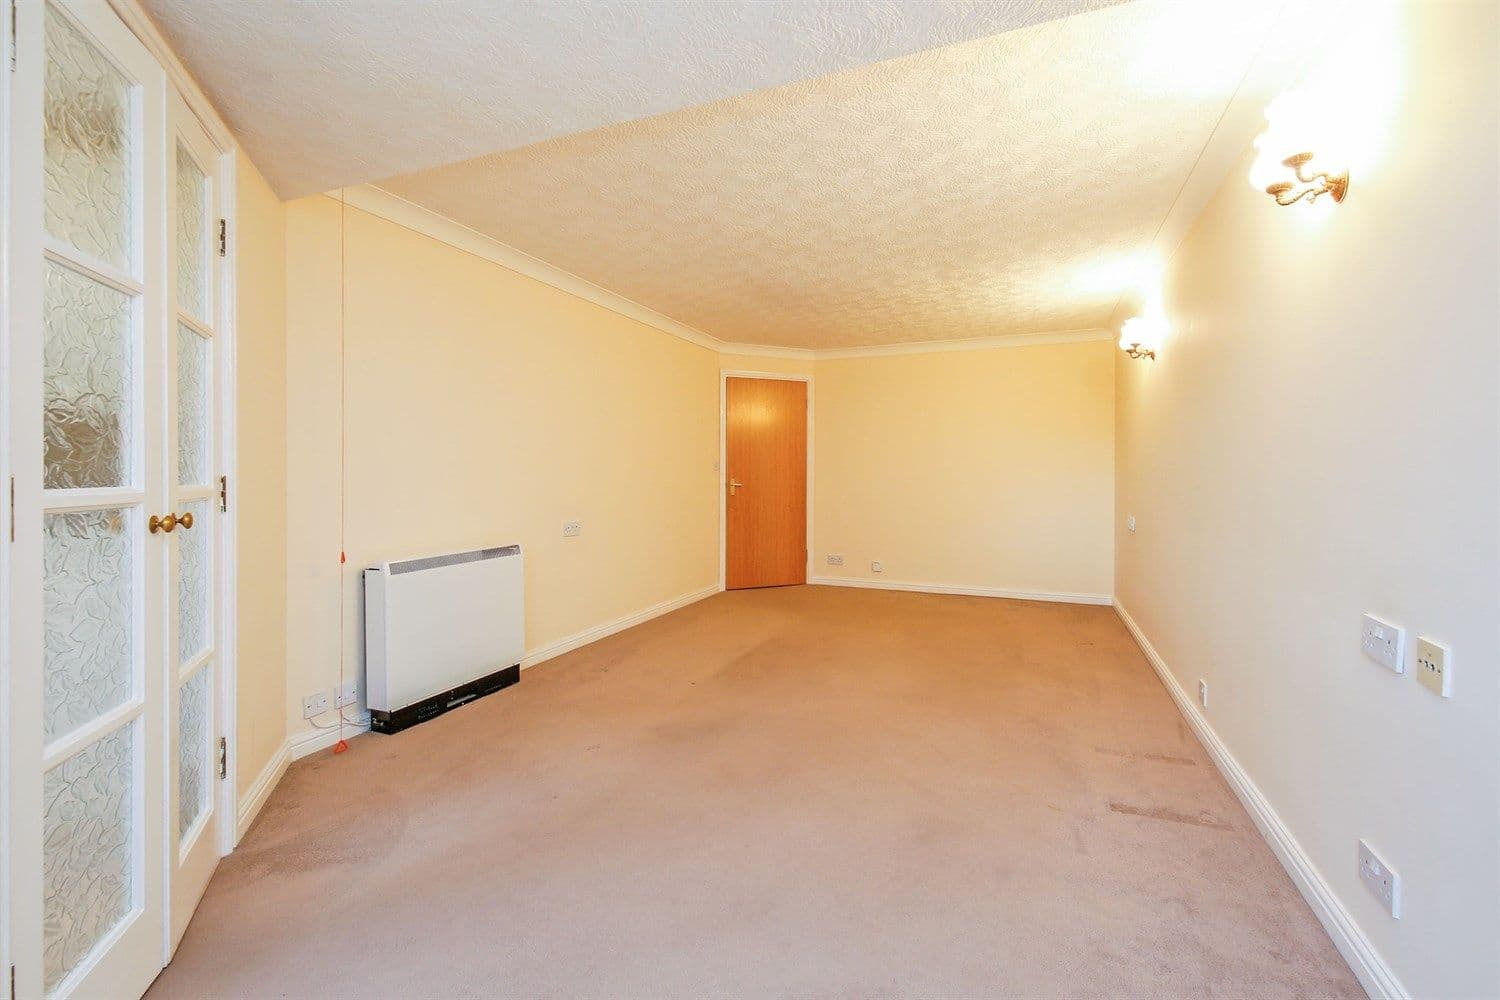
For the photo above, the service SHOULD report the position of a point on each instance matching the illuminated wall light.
(1337, 122)
(1295, 121)
(1141, 336)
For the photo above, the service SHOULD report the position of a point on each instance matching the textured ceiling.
(1004, 186)
(324, 93)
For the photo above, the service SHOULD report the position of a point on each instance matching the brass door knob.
(162, 523)
(186, 520)
(735, 486)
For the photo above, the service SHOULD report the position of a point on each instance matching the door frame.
(725, 374)
(21, 245)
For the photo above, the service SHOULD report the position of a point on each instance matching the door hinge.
(223, 494)
(223, 758)
(12, 508)
(223, 236)
(12, 69)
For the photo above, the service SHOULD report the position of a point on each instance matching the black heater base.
(429, 708)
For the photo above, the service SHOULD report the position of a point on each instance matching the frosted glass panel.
(192, 237)
(86, 850)
(193, 354)
(86, 610)
(86, 146)
(195, 550)
(85, 381)
(193, 750)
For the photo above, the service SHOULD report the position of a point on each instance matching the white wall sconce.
(1292, 132)
(1141, 336)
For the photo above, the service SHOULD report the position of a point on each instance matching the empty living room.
(750, 498)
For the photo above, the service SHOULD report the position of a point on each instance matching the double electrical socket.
(346, 695)
(318, 702)
(1384, 643)
(834, 560)
(1380, 879)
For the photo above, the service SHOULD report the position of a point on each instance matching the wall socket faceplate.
(1384, 643)
(314, 704)
(1380, 879)
(346, 695)
(877, 567)
(834, 560)
(1435, 666)
(572, 529)
(1203, 692)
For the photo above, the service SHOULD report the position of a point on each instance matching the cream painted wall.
(482, 408)
(260, 487)
(1319, 439)
(975, 469)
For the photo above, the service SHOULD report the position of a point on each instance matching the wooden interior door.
(765, 482)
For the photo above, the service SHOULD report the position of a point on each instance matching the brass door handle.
(169, 522)
(735, 484)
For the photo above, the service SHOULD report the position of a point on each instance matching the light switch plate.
(1380, 879)
(1435, 666)
(1384, 643)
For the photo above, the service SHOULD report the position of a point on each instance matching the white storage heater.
(440, 632)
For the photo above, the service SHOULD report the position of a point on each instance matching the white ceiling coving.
(324, 93)
(1004, 186)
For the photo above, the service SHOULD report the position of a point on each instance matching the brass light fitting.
(1142, 335)
(1314, 186)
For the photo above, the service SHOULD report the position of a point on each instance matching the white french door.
(193, 435)
(114, 438)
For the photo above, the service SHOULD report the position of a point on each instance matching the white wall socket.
(314, 704)
(1380, 879)
(572, 529)
(1435, 666)
(834, 560)
(877, 567)
(1130, 523)
(348, 694)
(1384, 643)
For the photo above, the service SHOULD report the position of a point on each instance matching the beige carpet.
(799, 792)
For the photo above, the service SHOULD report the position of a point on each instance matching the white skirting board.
(1057, 597)
(310, 741)
(1368, 965)
(260, 789)
(569, 643)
